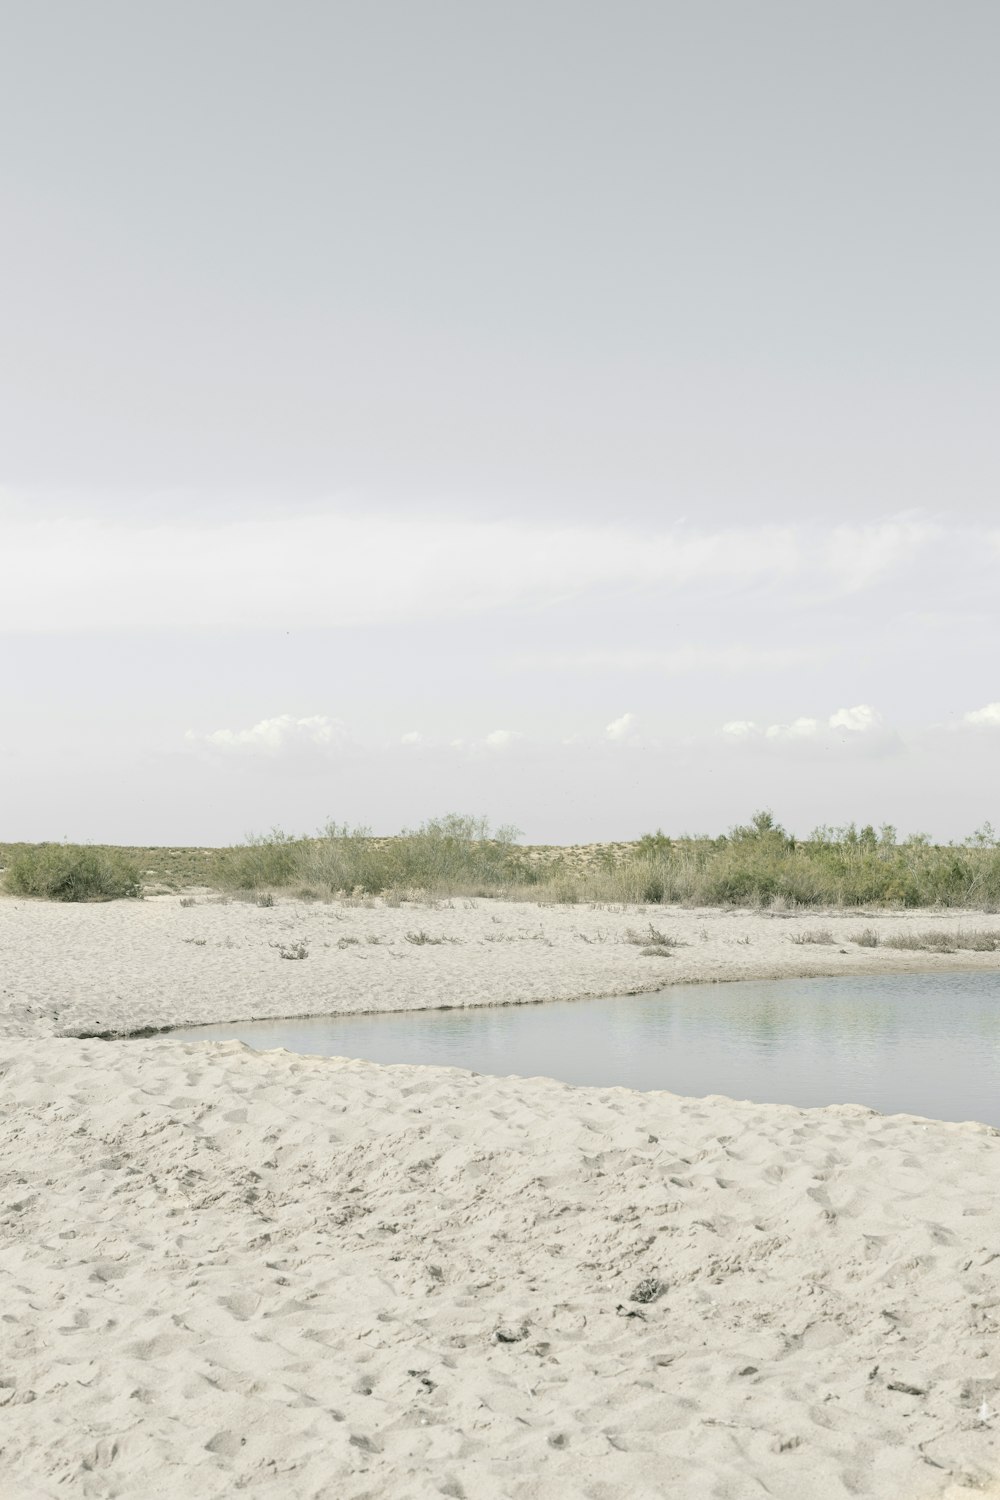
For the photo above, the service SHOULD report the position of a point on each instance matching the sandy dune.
(228, 1272)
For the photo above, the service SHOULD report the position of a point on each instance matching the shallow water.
(915, 1043)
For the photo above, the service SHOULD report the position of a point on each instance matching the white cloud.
(497, 741)
(798, 729)
(623, 729)
(987, 717)
(865, 732)
(275, 737)
(501, 739)
(861, 719)
(67, 573)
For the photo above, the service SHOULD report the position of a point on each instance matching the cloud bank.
(338, 569)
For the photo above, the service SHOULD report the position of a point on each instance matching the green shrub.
(73, 872)
(270, 859)
(444, 856)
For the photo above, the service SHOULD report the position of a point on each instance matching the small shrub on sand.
(299, 949)
(866, 938)
(652, 937)
(74, 872)
(814, 935)
(648, 1290)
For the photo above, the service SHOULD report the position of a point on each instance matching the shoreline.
(866, 967)
(154, 965)
(310, 1278)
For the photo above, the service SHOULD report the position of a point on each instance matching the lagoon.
(913, 1043)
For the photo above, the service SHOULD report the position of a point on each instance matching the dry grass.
(819, 935)
(651, 938)
(976, 941)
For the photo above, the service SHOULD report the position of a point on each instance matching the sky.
(579, 414)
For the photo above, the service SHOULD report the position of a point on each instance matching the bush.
(445, 856)
(74, 872)
(270, 859)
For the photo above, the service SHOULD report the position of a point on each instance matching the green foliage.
(755, 864)
(761, 828)
(760, 864)
(445, 855)
(653, 845)
(73, 872)
(270, 859)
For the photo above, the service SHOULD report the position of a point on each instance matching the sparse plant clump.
(819, 935)
(867, 938)
(975, 941)
(188, 901)
(294, 950)
(652, 937)
(656, 951)
(74, 872)
(648, 1290)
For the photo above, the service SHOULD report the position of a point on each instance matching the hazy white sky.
(579, 413)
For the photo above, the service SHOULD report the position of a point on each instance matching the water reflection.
(923, 1044)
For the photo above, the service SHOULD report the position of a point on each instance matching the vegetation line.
(758, 864)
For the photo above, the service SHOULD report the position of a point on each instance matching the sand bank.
(227, 1272)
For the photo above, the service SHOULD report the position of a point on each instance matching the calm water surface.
(917, 1043)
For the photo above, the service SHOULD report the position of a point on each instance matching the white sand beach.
(229, 1272)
